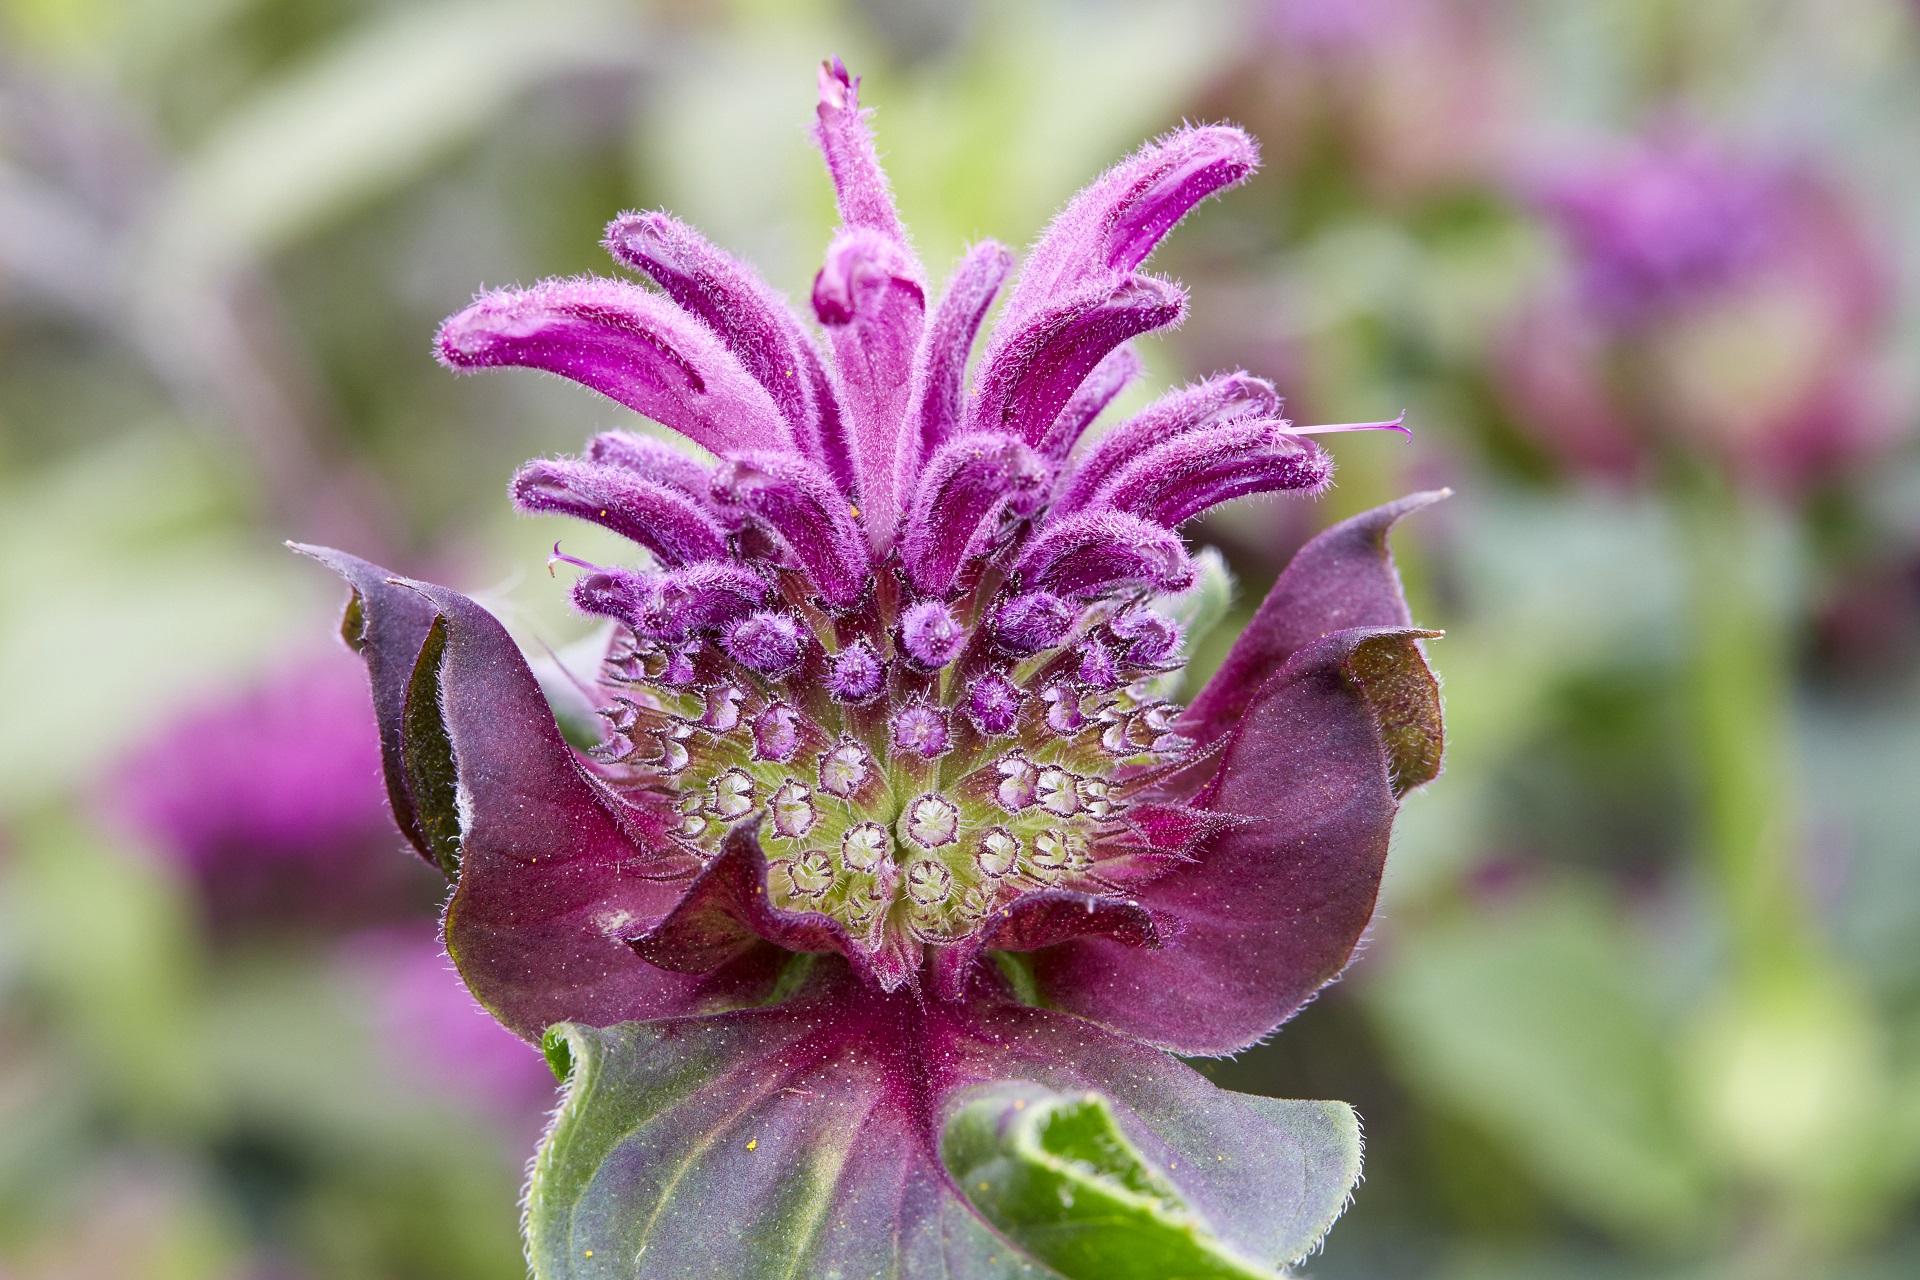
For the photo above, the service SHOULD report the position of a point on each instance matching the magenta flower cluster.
(891, 805)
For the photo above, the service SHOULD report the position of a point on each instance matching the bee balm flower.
(894, 873)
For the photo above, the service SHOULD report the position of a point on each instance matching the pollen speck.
(753, 1144)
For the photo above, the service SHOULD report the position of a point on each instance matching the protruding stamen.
(1391, 424)
(1222, 398)
(1177, 480)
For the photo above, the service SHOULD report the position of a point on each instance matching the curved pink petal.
(660, 517)
(1095, 551)
(1223, 398)
(799, 502)
(873, 305)
(1179, 479)
(754, 322)
(628, 344)
(1113, 224)
(937, 402)
(968, 485)
(1109, 378)
(1036, 362)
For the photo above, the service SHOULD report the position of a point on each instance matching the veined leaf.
(1060, 1178)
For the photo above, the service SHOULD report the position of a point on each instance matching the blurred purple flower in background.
(437, 1035)
(1721, 303)
(270, 800)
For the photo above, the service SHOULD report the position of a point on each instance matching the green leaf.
(1059, 1178)
(1533, 1023)
(799, 1140)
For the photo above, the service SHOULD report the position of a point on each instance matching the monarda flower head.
(861, 932)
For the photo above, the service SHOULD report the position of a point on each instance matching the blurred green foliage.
(1644, 996)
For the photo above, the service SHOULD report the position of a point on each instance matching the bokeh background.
(1643, 999)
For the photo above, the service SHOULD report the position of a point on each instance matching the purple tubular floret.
(1114, 223)
(1099, 551)
(801, 505)
(855, 674)
(920, 729)
(859, 183)
(776, 733)
(1036, 362)
(1150, 638)
(764, 641)
(663, 519)
(938, 398)
(672, 606)
(1222, 398)
(1097, 666)
(729, 297)
(966, 488)
(1182, 477)
(1109, 378)
(993, 704)
(873, 305)
(1032, 622)
(652, 460)
(629, 344)
(931, 635)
